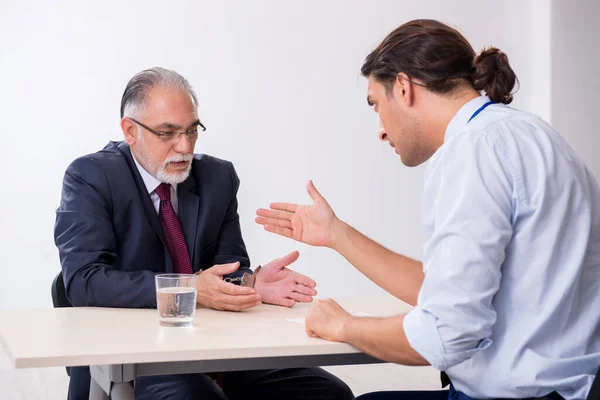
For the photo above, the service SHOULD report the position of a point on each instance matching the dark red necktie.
(173, 232)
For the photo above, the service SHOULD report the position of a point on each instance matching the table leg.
(96, 392)
(122, 391)
(114, 379)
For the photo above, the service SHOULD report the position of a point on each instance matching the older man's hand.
(281, 286)
(214, 292)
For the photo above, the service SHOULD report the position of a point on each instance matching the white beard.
(160, 171)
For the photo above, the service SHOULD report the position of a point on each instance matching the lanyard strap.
(480, 110)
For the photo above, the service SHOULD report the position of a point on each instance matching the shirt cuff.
(421, 330)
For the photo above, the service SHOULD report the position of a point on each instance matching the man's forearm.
(103, 286)
(383, 338)
(399, 275)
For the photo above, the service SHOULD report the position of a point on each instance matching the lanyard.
(480, 110)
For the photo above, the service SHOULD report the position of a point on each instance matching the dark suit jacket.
(110, 239)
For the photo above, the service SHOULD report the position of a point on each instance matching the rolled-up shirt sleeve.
(470, 195)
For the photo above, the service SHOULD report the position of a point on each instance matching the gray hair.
(136, 93)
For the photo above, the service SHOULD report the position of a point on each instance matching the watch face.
(245, 279)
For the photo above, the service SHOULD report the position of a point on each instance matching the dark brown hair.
(442, 59)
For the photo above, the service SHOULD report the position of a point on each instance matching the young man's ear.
(403, 88)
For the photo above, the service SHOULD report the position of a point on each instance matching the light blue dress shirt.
(510, 305)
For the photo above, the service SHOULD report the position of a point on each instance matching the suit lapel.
(143, 191)
(189, 205)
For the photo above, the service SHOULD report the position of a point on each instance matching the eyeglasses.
(191, 133)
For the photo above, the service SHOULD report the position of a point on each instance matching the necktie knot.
(164, 192)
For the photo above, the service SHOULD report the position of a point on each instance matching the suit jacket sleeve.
(87, 246)
(230, 246)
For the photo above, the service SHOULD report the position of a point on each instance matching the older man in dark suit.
(148, 205)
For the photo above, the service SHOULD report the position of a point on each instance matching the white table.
(120, 344)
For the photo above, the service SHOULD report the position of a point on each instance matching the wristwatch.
(246, 279)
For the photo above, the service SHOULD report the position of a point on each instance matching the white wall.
(575, 82)
(540, 82)
(279, 90)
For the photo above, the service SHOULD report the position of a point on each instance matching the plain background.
(281, 94)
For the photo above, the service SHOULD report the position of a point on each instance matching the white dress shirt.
(510, 304)
(152, 183)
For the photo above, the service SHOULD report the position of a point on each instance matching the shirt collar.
(459, 121)
(150, 181)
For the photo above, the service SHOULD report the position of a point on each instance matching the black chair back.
(59, 293)
(59, 298)
(595, 390)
